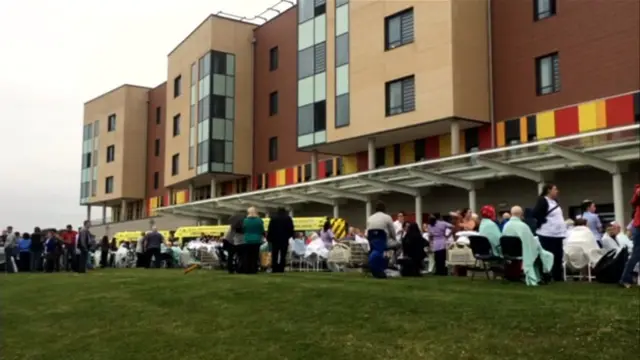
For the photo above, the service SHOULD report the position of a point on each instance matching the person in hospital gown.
(489, 228)
(531, 248)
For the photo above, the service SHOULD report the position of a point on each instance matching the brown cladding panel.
(155, 130)
(280, 32)
(597, 43)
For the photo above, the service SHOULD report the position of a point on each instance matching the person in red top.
(69, 239)
(634, 259)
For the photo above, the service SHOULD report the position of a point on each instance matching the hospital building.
(327, 106)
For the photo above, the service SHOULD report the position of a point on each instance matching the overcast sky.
(55, 55)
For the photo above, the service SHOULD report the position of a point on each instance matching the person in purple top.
(326, 235)
(439, 231)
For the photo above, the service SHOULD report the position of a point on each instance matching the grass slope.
(162, 314)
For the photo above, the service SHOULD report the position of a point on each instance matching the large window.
(177, 86)
(156, 150)
(543, 9)
(111, 153)
(399, 29)
(273, 103)
(111, 123)
(175, 164)
(273, 59)
(108, 185)
(273, 149)
(400, 96)
(176, 125)
(548, 74)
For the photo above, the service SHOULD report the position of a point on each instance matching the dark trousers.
(153, 255)
(141, 260)
(69, 258)
(51, 262)
(440, 258)
(112, 260)
(251, 257)
(279, 256)
(25, 261)
(81, 261)
(104, 258)
(168, 259)
(36, 261)
(231, 255)
(554, 246)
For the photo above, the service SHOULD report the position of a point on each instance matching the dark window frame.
(273, 103)
(273, 58)
(554, 87)
(156, 148)
(156, 180)
(158, 115)
(402, 15)
(176, 125)
(537, 16)
(380, 157)
(404, 83)
(108, 185)
(273, 149)
(111, 123)
(111, 153)
(175, 164)
(177, 86)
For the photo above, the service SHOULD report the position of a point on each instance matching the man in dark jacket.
(278, 234)
(37, 248)
(84, 242)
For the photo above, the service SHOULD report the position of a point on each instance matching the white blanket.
(363, 242)
(316, 248)
(581, 248)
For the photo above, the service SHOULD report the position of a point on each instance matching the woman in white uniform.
(551, 227)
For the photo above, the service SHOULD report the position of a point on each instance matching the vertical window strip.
(341, 116)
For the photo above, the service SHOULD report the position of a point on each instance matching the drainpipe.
(253, 125)
(490, 54)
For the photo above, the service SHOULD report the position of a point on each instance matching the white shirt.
(397, 225)
(555, 226)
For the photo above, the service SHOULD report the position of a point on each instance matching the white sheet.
(581, 248)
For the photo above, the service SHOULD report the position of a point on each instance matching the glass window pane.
(217, 167)
(342, 80)
(219, 63)
(342, 20)
(231, 90)
(393, 30)
(218, 106)
(228, 130)
(192, 137)
(320, 87)
(219, 84)
(230, 110)
(231, 64)
(217, 151)
(342, 49)
(200, 132)
(194, 94)
(305, 140)
(305, 119)
(205, 151)
(320, 137)
(194, 74)
(206, 133)
(342, 110)
(305, 35)
(545, 72)
(341, 2)
(305, 63)
(320, 57)
(207, 64)
(217, 130)
(192, 116)
(305, 10)
(305, 91)
(96, 128)
(320, 31)
(192, 157)
(228, 168)
(395, 97)
(228, 152)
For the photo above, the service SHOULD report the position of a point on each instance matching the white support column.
(291, 212)
(472, 200)
(368, 210)
(314, 165)
(455, 137)
(419, 211)
(190, 192)
(336, 210)
(540, 187)
(104, 213)
(123, 211)
(371, 154)
(214, 189)
(219, 221)
(88, 212)
(618, 199)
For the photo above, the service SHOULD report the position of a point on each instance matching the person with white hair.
(531, 248)
(615, 238)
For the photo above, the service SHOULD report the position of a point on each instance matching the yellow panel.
(587, 118)
(463, 143)
(350, 164)
(523, 130)
(601, 114)
(500, 135)
(546, 125)
(281, 177)
(407, 153)
(180, 198)
(388, 156)
(445, 145)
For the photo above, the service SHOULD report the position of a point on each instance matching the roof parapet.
(263, 17)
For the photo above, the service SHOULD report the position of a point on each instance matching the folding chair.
(483, 254)
(511, 247)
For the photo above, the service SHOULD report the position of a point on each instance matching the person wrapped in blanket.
(413, 254)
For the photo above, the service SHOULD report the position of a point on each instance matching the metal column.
(104, 214)
(336, 211)
(540, 187)
(314, 165)
(88, 212)
(618, 199)
(368, 210)
(371, 153)
(472, 200)
(419, 210)
(455, 137)
(214, 189)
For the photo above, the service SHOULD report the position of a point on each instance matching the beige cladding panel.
(429, 59)
(134, 165)
(197, 44)
(235, 37)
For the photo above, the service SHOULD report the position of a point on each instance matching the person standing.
(69, 239)
(10, 246)
(253, 234)
(279, 232)
(634, 259)
(50, 248)
(399, 226)
(233, 244)
(104, 252)
(141, 260)
(551, 227)
(153, 245)
(37, 248)
(82, 246)
(593, 220)
(24, 246)
(439, 231)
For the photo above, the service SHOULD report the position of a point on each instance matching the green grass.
(163, 314)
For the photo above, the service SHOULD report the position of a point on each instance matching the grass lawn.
(162, 314)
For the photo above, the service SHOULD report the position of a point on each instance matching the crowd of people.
(543, 231)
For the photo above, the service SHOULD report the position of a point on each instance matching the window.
(543, 9)
(320, 7)
(111, 153)
(108, 185)
(380, 157)
(175, 164)
(177, 86)
(156, 180)
(398, 29)
(218, 106)
(320, 57)
(419, 149)
(96, 128)
(400, 96)
(156, 151)
(273, 103)
(217, 151)
(273, 149)
(320, 116)
(548, 74)
(176, 125)
(342, 110)
(111, 123)
(328, 168)
(305, 63)
(342, 49)
(273, 59)
(307, 172)
(219, 63)
(86, 160)
(158, 115)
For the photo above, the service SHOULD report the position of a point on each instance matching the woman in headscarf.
(413, 244)
(489, 228)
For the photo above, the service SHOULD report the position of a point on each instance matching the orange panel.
(290, 176)
(601, 114)
(523, 130)
(463, 142)
(281, 177)
(500, 135)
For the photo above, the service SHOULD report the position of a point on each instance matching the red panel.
(186, 196)
(567, 121)
(484, 137)
(167, 200)
(273, 179)
(322, 169)
(362, 160)
(255, 181)
(432, 147)
(619, 111)
(288, 177)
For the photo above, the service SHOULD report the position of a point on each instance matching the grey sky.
(55, 56)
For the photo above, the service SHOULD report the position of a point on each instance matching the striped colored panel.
(153, 205)
(432, 147)
(339, 227)
(587, 117)
(484, 137)
(281, 177)
(567, 121)
(407, 152)
(388, 156)
(322, 169)
(289, 176)
(545, 125)
(444, 145)
(620, 110)
(500, 135)
(273, 179)
(362, 161)
(462, 145)
(523, 130)
(350, 164)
